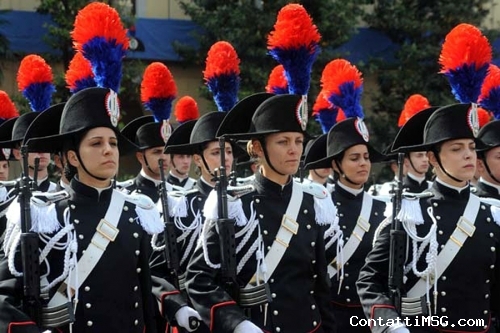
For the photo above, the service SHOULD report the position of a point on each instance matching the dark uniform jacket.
(413, 186)
(116, 296)
(345, 300)
(145, 186)
(299, 285)
(485, 191)
(467, 289)
(171, 179)
(172, 298)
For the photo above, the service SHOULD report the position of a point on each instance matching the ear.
(140, 157)
(197, 160)
(406, 161)
(72, 158)
(257, 148)
(335, 166)
(432, 159)
(480, 167)
(17, 154)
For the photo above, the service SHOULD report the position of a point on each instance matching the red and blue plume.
(324, 112)
(465, 57)
(294, 43)
(79, 74)
(186, 109)
(222, 75)
(34, 80)
(277, 82)
(158, 91)
(490, 91)
(100, 36)
(343, 85)
(483, 117)
(414, 104)
(7, 107)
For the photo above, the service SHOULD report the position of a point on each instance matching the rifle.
(32, 305)
(225, 227)
(171, 250)
(397, 242)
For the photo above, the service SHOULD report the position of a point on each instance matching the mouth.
(469, 166)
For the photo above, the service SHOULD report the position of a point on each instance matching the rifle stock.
(397, 248)
(32, 305)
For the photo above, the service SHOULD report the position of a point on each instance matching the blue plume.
(466, 82)
(224, 88)
(349, 100)
(39, 95)
(161, 108)
(327, 118)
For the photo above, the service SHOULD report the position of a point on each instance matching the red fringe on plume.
(321, 103)
(415, 103)
(98, 19)
(491, 81)
(293, 29)
(157, 82)
(186, 109)
(483, 116)
(337, 72)
(277, 78)
(79, 68)
(7, 107)
(464, 44)
(340, 115)
(221, 59)
(33, 69)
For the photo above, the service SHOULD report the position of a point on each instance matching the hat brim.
(326, 162)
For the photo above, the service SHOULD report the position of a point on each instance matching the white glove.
(398, 328)
(184, 315)
(247, 326)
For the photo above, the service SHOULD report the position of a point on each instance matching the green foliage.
(245, 25)
(419, 28)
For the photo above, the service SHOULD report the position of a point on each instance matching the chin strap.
(266, 156)
(438, 159)
(343, 175)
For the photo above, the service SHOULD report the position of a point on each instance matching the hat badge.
(165, 130)
(113, 107)
(473, 120)
(301, 113)
(6, 152)
(360, 126)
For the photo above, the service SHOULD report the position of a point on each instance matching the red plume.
(277, 83)
(415, 103)
(321, 103)
(221, 59)
(157, 82)
(484, 117)
(464, 44)
(79, 74)
(186, 109)
(7, 107)
(340, 115)
(33, 69)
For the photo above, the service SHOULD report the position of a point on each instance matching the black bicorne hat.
(143, 132)
(279, 113)
(411, 135)
(87, 109)
(344, 135)
(46, 123)
(456, 121)
(19, 129)
(238, 120)
(314, 152)
(5, 135)
(489, 135)
(180, 136)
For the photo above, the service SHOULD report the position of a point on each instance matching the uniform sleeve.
(217, 309)
(146, 287)
(12, 318)
(322, 287)
(372, 283)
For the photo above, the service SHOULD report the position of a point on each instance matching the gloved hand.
(247, 326)
(185, 315)
(398, 328)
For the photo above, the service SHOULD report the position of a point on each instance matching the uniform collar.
(415, 178)
(204, 187)
(82, 191)
(443, 190)
(488, 186)
(265, 186)
(152, 180)
(347, 191)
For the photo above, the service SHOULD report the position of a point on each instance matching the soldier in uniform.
(180, 164)
(451, 265)
(318, 175)
(278, 230)
(350, 154)
(94, 264)
(488, 184)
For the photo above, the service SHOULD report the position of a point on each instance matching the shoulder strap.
(106, 232)
(362, 226)
(465, 228)
(289, 227)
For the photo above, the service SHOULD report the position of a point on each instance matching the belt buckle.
(107, 230)
(289, 224)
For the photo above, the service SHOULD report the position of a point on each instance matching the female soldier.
(93, 244)
(279, 246)
(350, 155)
(451, 266)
